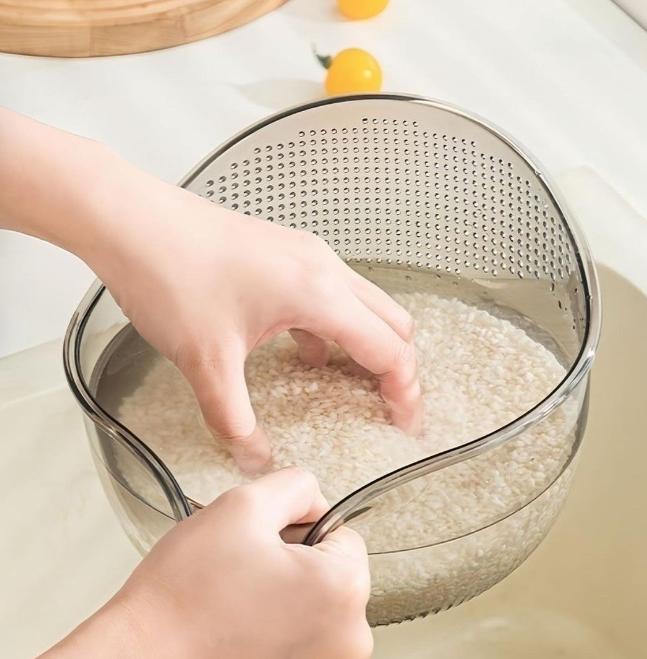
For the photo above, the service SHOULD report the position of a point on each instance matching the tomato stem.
(324, 60)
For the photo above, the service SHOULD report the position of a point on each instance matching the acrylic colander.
(418, 187)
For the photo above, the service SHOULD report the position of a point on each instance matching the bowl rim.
(183, 506)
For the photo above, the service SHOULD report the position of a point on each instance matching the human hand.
(205, 286)
(223, 584)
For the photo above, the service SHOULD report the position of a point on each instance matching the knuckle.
(308, 244)
(408, 326)
(360, 643)
(347, 584)
(403, 355)
(360, 542)
(357, 583)
(226, 428)
(302, 474)
(241, 499)
(316, 242)
(367, 644)
(229, 431)
(322, 286)
(352, 538)
(414, 390)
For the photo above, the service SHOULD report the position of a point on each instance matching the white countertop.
(567, 78)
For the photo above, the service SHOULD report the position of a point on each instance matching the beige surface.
(62, 552)
(87, 28)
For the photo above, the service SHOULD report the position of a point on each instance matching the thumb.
(289, 496)
(221, 391)
(344, 542)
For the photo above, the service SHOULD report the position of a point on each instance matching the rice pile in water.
(477, 373)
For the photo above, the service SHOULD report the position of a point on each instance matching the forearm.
(64, 189)
(46, 177)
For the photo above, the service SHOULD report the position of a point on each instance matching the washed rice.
(477, 373)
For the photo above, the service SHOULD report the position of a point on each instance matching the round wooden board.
(91, 28)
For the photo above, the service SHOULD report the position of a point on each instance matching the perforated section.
(400, 192)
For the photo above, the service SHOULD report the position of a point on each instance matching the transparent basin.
(416, 195)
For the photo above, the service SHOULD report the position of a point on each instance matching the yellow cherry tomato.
(350, 71)
(359, 9)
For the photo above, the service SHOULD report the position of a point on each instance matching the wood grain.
(92, 28)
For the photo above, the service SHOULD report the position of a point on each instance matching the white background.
(567, 78)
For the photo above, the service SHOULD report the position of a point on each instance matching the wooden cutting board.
(90, 28)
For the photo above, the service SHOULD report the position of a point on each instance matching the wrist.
(101, 205)
(129, 215)
(113, 632)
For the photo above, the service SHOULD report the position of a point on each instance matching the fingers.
(285, 497)
(345, 549)
(401, 392)
(378, 335)
(222, 394)
(382, 305)
(345, 542)
(374, 345)
(313, 351)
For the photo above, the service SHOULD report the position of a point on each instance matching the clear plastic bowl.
(424, 192)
